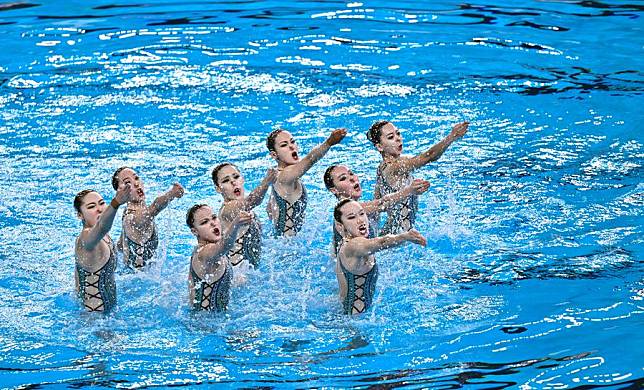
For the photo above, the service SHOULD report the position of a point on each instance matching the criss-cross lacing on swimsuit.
(402, 215)
(137, 255)
(211, 296)
(248, 246)
(360, 289)
(290, 216)
(98, 284)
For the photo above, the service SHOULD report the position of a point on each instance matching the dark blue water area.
(533, 272)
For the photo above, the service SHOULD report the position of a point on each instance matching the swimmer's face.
(91, 209)
(206, 225)
(354, 220)
(128, 176)
(230, 183)
(345, 183)
(391, 142)
(286, 150)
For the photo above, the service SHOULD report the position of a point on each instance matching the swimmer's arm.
(230, 210)
(291, 173)
(417, 187)
(436, 151)
(255, 198)
(368, 246)
(212, 252)
(91, 238)
(162, 201)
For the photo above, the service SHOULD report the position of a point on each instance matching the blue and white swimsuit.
(360, 289)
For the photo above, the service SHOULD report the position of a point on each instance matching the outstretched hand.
(419, 186)
(177, 190)
(243, 218)
(415, 237)
(336, 136)
(459, 129)
(123, 193)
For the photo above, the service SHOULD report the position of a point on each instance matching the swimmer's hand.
(271, 176)
(243, 218)
(177, 191)
(336, 136)
(459, 130)
(418, 186)
(415, 237)
(123, 194)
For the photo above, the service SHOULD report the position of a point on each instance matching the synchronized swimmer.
(231, 239)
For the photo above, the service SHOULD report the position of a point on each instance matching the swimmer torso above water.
(288, 202)
(395, 170)
(95, 251)
(230, 183)
(356, 267)
(139, 238)
(210, 269)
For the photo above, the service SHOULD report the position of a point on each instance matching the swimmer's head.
(342, 182)
(89, 206)
(127, 175)
(203, 223)
(386, 138)
(282, 147)
(228, 181)
(351, 219)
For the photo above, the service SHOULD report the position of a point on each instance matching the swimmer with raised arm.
(395, 170)
(139, 238)
(356, 267)
(210, 270)
(94, 249)
(288, 200)
(345, 184)
(229, 182)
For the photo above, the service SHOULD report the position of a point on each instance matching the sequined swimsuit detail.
(102, 280)
(402, 215)
(360, 289)
(291, 215)
(211, 296)
(137, 255)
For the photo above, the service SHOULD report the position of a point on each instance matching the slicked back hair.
(375, 131)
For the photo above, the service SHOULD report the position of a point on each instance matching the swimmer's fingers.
(244, 217)
(460, 129)
(336, 136)
(178, 190)
(123, 193)
(417, 238)
(419, 186)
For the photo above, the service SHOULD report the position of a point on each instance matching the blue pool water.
(533, 273)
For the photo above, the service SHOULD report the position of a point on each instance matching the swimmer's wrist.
(115, 204)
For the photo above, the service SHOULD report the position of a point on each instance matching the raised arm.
(93, 236)
(162, 201)
(257, 195)
(291, 173)
(360, 247)
(212, 252)
(417, 187)
(436, 151)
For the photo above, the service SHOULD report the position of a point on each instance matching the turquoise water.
(533, 273)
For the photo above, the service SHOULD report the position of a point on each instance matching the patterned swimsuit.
(402, 215)
(101, 280)
(290, 218)
(211, 296)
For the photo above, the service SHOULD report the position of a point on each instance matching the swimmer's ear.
(340, 228)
